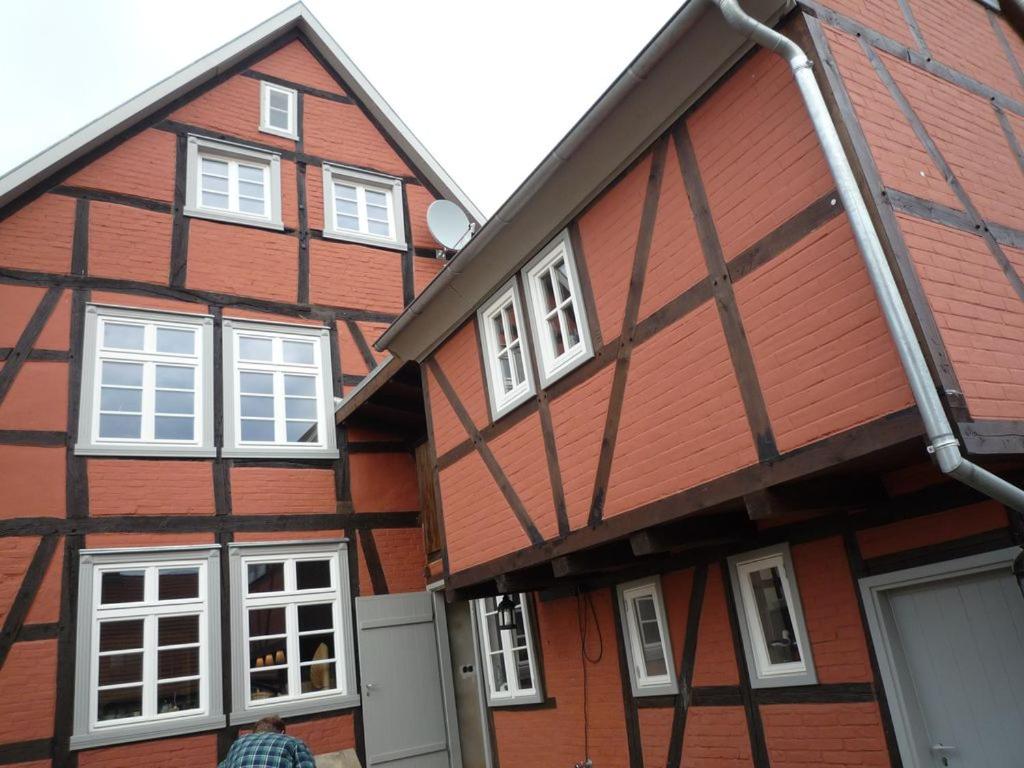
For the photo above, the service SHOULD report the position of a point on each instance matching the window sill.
(277, 132)
(279, 452)
(230, 218)
(147, 731)
(290, 709)
(564, 368)
(785, 681)
(525, 703)
(163, 451)
(507, 408)
(355, 237)
(664, 689)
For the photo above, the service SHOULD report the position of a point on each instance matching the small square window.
(771, 618)
(506, 352)
(230, 182)
(147, 383)
(363, 207)
(648, 646)
(278, 110)
(278, 395)
(508, 655)
(559, 319)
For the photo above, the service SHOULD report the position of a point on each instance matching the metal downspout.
(942, 442)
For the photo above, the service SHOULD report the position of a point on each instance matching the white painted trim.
(514, 696)
(232, 153)
(501, 402)
(390, 186)
(641, 683)
(291, 132)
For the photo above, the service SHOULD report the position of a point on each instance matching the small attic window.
(278, 107)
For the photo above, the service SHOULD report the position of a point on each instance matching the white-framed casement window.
(148, 650)
(558, 316)
(279, 110)
(648, 646)
(363, 207)
(291, 621)
(232, 182)
(508, 655)
(505, 351)
(771, 618)
(147, 383)
(278, 393)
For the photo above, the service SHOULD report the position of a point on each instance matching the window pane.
(214, 200)
(348, 222)
(316, 647)
(175, 402)
(278, 119)
(178, 583)
(268, 653)
(174, 428)
(126, 586)
(373, 197)
(119, 336)
(498, 669)
(300, 385)
(250, 173)
(119, 703)
(215, 184)
(381, 228)
(571, 325)
(179, 662)
(177, 697)
(776, 622)
(215, 167)
(122, 374)
(257, 406)
(517, 364)
(121, 635)
(257, 383)
(347, 207)
(523, 670)
(547, 291)
(266, 621)
(255, 348)
(345, 192)
(123, 668)
(178, 630)
(175, 341)
(312, 574)
(120, 426)
(499, 331)
(299, 408)
(561, 280)
(298, 352)
(645, 609)
(317, 616)
(268, 685)
(278, 99)
(266, 577)
(318, 677)
(301, 432)
(251, 189)
(175, 377)
(510, 316)
(123, 400)
(245, 205)
(555, 330)
(257, 431)
(506, 372)
(645, 616)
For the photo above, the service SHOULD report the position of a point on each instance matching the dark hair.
(270, 723)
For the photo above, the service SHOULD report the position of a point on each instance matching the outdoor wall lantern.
(1018, 570)
(507, 613)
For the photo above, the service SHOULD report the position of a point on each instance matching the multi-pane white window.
(771, 619)
(147, 383)
(147, 651)
(293, 622)
(648, 647)
(230, 182)
(557, 312)
(278, 110)
(508, 655)
(506, 353)
(363, 207)
(277, 390)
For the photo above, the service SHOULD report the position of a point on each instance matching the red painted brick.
(341, 132)
(655, 735)
(934, 529)
(279, 491)
(419, 199)
(424, 271)
(33, 481)
(148, 302)
(824, 734)
(56, 334)
(129, 243)
(38, 237)
(325, 734)
(459, 360)
(46, 605)
(38, 398)
(884, 16)
(120, 487)
(372, 332)
(715, 663)
(171, 753)
(132, 540)
(17, 305)
(233, 108)
(716, 737)
(334, 534)
(384, 482)
(294, 62)
(143, 165)
(347, 275)
(31, 670)
(16, 553)
(676, 588)
(402, 559)
(521, 454)
(270, 317)
(243, 261)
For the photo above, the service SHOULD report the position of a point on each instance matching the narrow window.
(771, 618)
(508, 655)
(147, 383)
(363, 207)
(229, 182)
(294, 649)
(648, 646)
(278, 107)
(147, 650)
(506, 355)
(556, 310)
(277, 389)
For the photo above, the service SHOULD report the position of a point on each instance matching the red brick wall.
(716, 737)
(824, 734)
(31, 671)
(185, 750)
(280, 491)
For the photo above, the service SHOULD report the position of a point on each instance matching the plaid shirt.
(268, 750)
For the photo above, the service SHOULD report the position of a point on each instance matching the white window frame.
(552, 367)
(642, 683)
(231, 153)
(763, 673)
(502, 402)
(391, 186)
(292, 131)
(88, 731)
(325, 447)
(89, 442)
(514, 696)
(346, 694)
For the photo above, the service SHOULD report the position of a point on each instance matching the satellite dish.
(448, 224)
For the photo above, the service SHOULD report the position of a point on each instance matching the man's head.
(271, 724)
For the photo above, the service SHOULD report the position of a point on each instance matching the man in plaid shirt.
(268, 747)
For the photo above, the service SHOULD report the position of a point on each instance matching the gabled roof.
(27, 175)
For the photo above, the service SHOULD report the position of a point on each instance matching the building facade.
(637, 476)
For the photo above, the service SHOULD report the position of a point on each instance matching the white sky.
(488, 87)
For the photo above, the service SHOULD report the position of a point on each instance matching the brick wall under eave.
(294, 62)
(459, 361)
(37, 238)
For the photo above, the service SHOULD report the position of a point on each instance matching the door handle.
(943, 748)
(370, 687)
